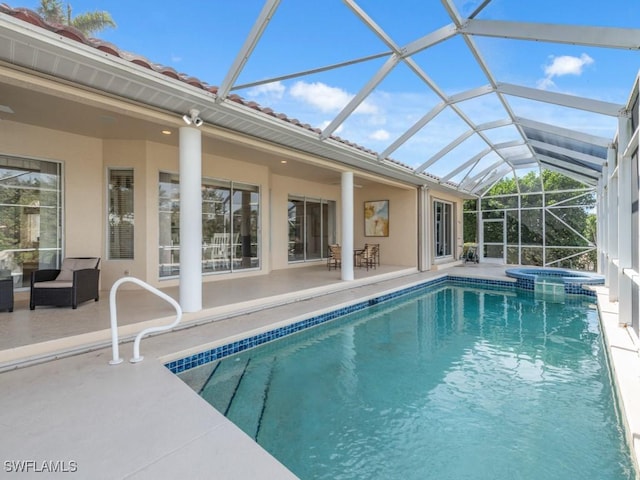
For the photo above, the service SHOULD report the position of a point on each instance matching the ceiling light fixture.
(192, 117)
(166, 132)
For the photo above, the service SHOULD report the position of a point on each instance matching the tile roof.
(72, 33)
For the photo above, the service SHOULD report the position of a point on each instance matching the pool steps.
(552, 290)
(223, 383)
(230, 378)
(254, 384)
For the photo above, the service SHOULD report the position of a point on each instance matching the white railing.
(114, 319)
(632, 274)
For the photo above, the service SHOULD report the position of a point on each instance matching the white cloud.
(567, 65)
(367, 107)
(327, 99)
(545, 83)
(272, 91)
(563, 65)
(379, 135)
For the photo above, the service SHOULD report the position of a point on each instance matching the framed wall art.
(376, 218)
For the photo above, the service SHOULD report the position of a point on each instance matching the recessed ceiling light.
(6, 109)
(283, 161)
(166, 132)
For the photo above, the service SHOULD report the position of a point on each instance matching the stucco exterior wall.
(126, 154)
(86, 162)
(401, 246)
(83, 200)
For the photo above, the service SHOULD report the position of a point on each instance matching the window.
(443, 228)
(30, 216)
(230, 220)
(121, 218)
(312, 227)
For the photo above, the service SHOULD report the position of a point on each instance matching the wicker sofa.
(75, 282)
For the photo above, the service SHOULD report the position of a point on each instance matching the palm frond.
(91, 22)
(52, 11)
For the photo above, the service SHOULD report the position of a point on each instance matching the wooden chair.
(75, 282)
(334, 257)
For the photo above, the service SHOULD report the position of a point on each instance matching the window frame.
(440, 232)
(109, 252)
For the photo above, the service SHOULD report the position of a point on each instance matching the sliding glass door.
(230, 221)
(311, 228)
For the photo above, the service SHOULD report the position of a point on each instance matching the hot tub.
(573, 281)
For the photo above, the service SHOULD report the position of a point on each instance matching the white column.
(599, 190)
(429, 219)
(190, 219)
(603, 215)
(612, 225)
(424, 259)
(347, 225)
(624, 222)
(480, 230)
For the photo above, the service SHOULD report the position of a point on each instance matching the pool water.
(450, 383)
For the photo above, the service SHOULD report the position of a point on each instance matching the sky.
(202, 39)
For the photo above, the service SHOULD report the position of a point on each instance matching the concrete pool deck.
(624, 357)
(28, 336)
(140, 421)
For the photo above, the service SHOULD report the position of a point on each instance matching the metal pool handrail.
(114, 319)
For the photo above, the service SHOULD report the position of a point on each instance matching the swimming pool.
(447, 382)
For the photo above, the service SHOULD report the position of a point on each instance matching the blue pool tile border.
(214, 354)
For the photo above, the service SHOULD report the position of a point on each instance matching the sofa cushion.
(66, 270)
(84, 263)
(71, 264)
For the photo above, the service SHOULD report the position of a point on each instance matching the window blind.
(121, 214)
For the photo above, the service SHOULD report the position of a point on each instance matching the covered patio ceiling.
(462, 135)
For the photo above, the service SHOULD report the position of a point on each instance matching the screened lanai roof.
(457, 92)
(473, 131)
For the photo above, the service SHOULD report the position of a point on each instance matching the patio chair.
(335, 257)
(369, 256)
(220, 246)
(75, 282)
(470, 253)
